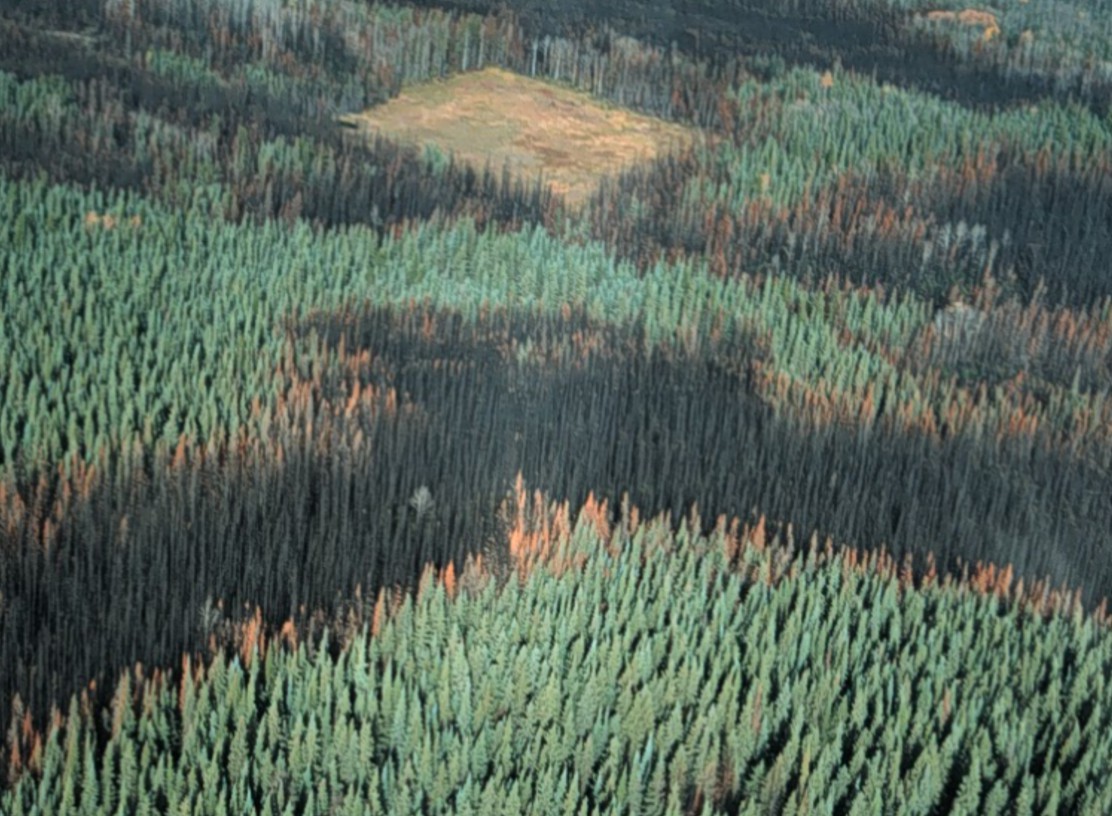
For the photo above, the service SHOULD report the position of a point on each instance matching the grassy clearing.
(568, 137)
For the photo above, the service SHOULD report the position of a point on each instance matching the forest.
(348, 471)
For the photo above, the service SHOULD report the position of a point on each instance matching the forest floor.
(567, 137)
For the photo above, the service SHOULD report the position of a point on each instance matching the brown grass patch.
(540, 128)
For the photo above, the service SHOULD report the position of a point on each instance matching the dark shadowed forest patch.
(399, 452)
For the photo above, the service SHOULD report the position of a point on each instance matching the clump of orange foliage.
(107, 221)
(969, 17)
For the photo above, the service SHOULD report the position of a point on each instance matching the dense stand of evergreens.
(313, 496)
(251, 360)
(1037, 51)
(849, 178)
(879, 187)
(780, 683)
(298, 453)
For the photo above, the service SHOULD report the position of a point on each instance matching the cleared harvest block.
(494, 115)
